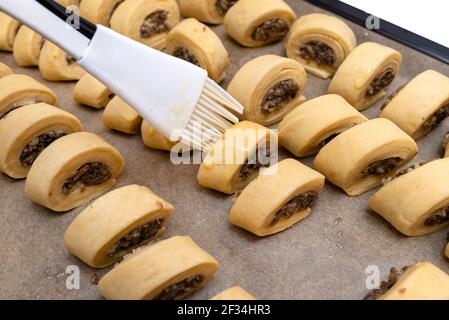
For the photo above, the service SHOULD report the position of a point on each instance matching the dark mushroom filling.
(34, 148)
(224, 5)
(319, 52)
(405, 171)
(392, 96)
(439, 218)
(271, 30)
(154, 24)
(136, 237)
(252, 166)
(437, 118)
(70, 60)
(182, 288)
(90, 174)
(279, 95)
(185, 54)
(297, 204)
(393, 278)
(380, 82)
(381, 167)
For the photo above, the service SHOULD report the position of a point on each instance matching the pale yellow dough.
(91, 92)
(246, 15)
(27, 47)
(24, 126)
(304, 130)
(5, 70)
(409, 200)
(148, 271)
(61, 161)
(234, 293)
(97, 230)
(417, 102)
(204, 10)
(118, 115)
(355, 75)
(130, 16)
(447, 250)
(203, 44)
(324, 29)
(252, 83)
(257, 205)
(18, 90)
(67, 3)
(224, 161)
(99, 11)
(153, 139)
(344, 158)
(8, 31)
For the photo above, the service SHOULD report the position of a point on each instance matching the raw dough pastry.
(18, 90)
(56, 65)
(447, 250)
(320, 43)
(73, 170)
(27, 47)
(146, 21)
(153, 139)
(309, 127)
(196, 43)
(67, 3)
(234, 293)
(366, 72)
(421, 105)
(99, 11)
(358, 159)
(116, 224)
(4, 70)
(168, 270)
(234, 160)
(254, 23)
(207, 11)
(269, 87)
(277, 199)
(118, 115)
(8, 31)
(91, 92)
(27, 131)
(416, 203)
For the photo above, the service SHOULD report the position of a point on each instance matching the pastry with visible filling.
(146, 21)
(72, 171)
(358, 159)
(18, 90)
(254, 23)
(234, 293)
(171, 269)
(423, 281)
(320, 43)
(27, 131)
(27, 47)
(119, 116)
(362, 78)
(8, 31)
(207, 11)
(99, 11)
(235, 159)
(313, 124)
(269, 87)
(91, 92)
(116, 224)
(5, 70)
(196, 43)
(416, 203)
(277, 199)
(420, 105)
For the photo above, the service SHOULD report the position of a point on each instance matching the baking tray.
(323, 257)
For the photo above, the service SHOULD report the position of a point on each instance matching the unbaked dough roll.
(280, 197)
(254, 23)
(56, 65)
(171, 269)
(366, 72)
(67, 3)
(99, 11)
(154, 140)
(196, 43)
(8, 31)
(27, 47)
(309, 127)
(119, 116)
(27, 131)
(234, 160)
(359, 159)
(116, 224)
(416, 203)
(207, 11)
(421, 105)
(234, 293)
(91, 92)
(18, 90)
(5, 70)
(269, 87)
(447, 250)
(320, 43)
(146, 21)
(73, 170)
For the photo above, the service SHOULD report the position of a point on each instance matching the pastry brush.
(176, 97)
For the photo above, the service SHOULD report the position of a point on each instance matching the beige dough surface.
(234, 293)
(27, 47)
(91, 92)
(5, 70)
(119, 116)
(8, 31)
(99, 11)
(204, 10)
